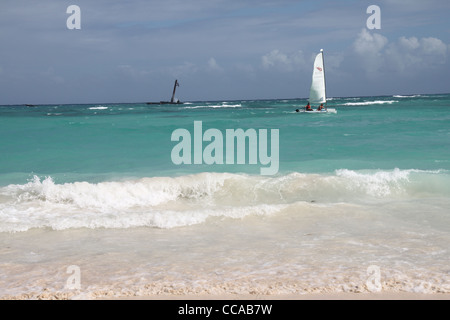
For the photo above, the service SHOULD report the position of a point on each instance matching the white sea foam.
(379, 184)
(367, 103)
(166, 202)
(156, 202)
(411, 96)
(98, 108)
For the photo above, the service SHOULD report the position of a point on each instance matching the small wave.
(215, 106)
(367, 103)
(411, 96)
(98, 108)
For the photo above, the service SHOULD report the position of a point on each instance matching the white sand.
(314, 296)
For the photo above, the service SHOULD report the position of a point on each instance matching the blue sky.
(132, 51)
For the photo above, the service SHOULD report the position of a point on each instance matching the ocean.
(93, 204)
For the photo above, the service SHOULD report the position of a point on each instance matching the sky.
(133, 50)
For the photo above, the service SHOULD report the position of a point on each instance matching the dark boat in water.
(172, 100)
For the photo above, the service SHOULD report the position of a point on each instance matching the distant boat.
(317, 93)
(173, 100)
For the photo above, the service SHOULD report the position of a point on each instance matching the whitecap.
(98, 108)
(367, 103)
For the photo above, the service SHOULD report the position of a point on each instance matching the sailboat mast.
(324, 79)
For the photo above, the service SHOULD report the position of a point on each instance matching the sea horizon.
(225, 99)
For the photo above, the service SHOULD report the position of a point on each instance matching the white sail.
(317, 92)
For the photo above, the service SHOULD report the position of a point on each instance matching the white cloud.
(282, 61)
(369, 43)
(413, 54)
(368, 46)
(406, 55)
(434, 46)
(410, 44)
(274, 57)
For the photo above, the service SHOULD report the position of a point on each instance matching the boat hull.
(329, 110)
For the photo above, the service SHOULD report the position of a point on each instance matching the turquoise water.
(97, 142)
(95, 186)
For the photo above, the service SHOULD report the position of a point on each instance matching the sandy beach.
(113, 295)
(242, 297)
(317, 296)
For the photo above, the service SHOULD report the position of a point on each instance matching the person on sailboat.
(308, 107)
(320, 107)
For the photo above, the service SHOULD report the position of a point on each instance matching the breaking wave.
(167, 202)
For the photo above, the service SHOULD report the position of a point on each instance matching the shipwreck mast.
(174, 89)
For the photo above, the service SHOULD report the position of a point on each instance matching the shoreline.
(111, 295)
(387, 295)
(309, 296)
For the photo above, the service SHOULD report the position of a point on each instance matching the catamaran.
(317, 93)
